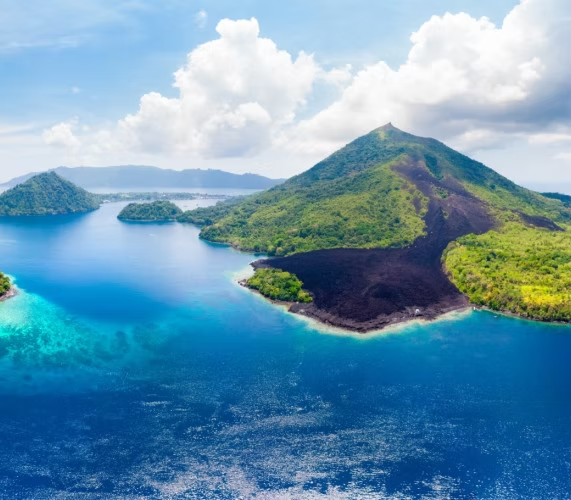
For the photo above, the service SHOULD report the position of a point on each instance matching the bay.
(133, 366)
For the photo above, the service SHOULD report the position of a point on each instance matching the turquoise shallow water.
(132, 366)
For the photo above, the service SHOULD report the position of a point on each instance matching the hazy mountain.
(139, 177)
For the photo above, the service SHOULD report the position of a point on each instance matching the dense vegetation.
(46, 194)
(563, 198)
(206, 216)
(155, 211)
(356, 198)
(5, 284)
(374, 209)
(518, 269)
(278, 285)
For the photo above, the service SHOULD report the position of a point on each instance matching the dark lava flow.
(363, 290)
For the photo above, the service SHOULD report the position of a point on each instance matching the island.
(46, 194)
(394, 227)
(278, 285)
(7, 290)
(155, 212)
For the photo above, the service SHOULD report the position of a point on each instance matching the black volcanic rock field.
(364, 290)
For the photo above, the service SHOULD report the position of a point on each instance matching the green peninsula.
(278, 285)
(5, 284)
(155, 211)
(46, 194)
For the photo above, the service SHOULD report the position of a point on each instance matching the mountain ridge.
(141, 176)
(365, 196)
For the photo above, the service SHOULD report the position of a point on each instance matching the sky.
(272, 88)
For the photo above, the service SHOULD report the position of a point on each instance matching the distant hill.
(46, 194)
(563, 198)
(143, 177)
(155, 211)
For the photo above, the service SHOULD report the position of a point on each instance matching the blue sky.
(114, 59)
(84, 67)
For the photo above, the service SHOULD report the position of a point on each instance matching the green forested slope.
(5, 284)
(359, 198)
(519, 269)
(46, 194)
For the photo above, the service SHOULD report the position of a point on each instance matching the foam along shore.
(397, 325)
(443, 307)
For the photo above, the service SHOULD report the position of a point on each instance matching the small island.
(6, 288)
(147, 212)
(46, 194)
(279, 285)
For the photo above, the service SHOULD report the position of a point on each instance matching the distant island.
(46, 194)
(50, 194)
(155, 211)
(129, 177)
(394, 227)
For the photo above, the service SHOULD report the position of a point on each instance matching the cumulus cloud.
(233, 93)
(62, 136)
(465, 80)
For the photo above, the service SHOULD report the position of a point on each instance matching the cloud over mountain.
(465, 81)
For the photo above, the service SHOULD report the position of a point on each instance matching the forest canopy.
(155, 211)
(519, 269)
(278, 285)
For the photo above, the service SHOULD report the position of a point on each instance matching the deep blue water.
(133, 366)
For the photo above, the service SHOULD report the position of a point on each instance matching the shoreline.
(9, 294)
(325, 321)
(512, 315)
(382, 325)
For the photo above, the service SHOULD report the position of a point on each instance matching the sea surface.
(133, 366)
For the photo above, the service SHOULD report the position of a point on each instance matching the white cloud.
(200, 18)
(549, 138)
(234, 92)
(62, 136)
(465, 80)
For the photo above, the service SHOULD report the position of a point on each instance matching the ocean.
(132, 365)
